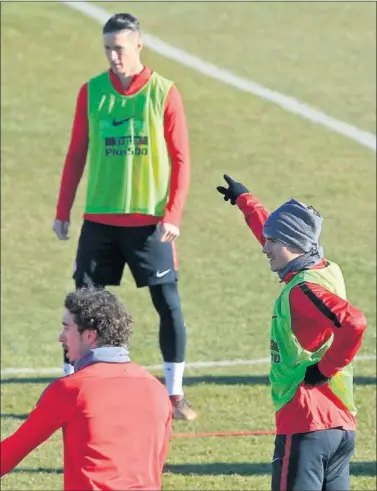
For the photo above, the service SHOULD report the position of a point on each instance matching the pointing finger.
(228, 179)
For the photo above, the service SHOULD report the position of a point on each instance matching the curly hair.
(100, 310)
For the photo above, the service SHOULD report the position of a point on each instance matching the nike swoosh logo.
(121, 121)
(163, 273)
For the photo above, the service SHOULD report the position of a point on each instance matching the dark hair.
(101, 311)
(120, 22)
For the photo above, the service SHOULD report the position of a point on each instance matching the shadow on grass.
(363, 380)
(221, 468)
(251, 468)
(28, 380)
(225, 380)
(194, 380)
(37, 470)
(20, 417)
(252, 380)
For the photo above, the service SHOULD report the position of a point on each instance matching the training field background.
(322, 54)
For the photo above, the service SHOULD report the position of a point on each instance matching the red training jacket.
(116, 420)
(316, 313)
(176, 137)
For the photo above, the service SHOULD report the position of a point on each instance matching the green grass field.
(321, 53)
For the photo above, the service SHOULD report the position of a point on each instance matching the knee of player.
(166, 296)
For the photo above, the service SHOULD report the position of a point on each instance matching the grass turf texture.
(48, 51)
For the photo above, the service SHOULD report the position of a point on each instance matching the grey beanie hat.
(295, 225)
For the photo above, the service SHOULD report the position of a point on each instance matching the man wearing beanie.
(315, 335)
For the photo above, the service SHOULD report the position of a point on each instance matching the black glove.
(234, 190)
(314, 376)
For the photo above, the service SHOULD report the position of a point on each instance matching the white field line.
(287, 103)
(194, 364)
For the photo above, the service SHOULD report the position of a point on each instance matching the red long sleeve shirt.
(116, 421)
(316, 313)
(176, 137)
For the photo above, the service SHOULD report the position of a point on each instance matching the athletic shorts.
(314, 461)
(104, 250)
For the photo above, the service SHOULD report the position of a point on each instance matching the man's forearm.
(72, 172)
(36, 429)
(346, 344)
(179, 187)
(49, 415)
(12, 451)
(255, 214)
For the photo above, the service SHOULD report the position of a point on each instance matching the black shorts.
(104, 250)
(315, 461)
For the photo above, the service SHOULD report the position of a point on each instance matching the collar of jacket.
(103, 354)
(287, 278)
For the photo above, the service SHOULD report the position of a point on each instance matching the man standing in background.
(130, 121)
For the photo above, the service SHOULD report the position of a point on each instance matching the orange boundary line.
(214, 433)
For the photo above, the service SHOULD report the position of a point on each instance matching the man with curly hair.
(116, 417)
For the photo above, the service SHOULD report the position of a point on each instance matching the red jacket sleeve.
(255, 214)
(76, 157)
(177, 141)
(50, 414)
(316, 313)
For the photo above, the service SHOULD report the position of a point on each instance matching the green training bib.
(129, 164)
(289, 359)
